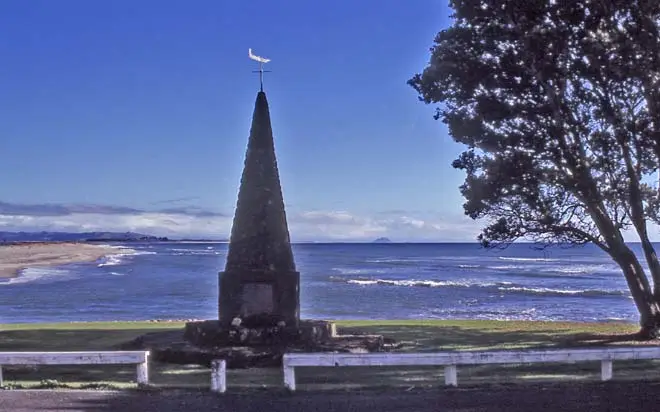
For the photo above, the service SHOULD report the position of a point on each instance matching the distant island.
(382, 240)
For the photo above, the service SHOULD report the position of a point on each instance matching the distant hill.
(382, 240)
(78, 237)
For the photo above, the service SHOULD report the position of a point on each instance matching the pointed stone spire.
(260, 278)
(260, 235)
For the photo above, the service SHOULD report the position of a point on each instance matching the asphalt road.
(610, 396)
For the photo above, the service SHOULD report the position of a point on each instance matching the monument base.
(211, 333)
(259, 298)
(202, 342)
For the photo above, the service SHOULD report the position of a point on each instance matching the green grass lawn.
(414, 336)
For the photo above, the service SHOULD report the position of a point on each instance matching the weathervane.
(261, 71)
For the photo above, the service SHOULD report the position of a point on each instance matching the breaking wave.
(39, 274)
(195, 252)
(417, 283)
(580, 270)
(345, 271)
(120, 258)
(502, 287)
(524, 259)
(563, 292)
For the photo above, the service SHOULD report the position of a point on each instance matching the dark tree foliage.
(558, 103)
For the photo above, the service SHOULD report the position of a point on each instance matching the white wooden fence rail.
(140, 358)
(449, 360)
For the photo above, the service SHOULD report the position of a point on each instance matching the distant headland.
(20, 237)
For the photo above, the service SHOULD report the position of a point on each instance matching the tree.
(558, 103)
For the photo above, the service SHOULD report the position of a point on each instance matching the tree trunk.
(649, 252)
(654, 265)
(639, 286)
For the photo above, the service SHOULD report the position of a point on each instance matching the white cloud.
(303, 226)
(150, 222)
(342, 225)
(339, 225)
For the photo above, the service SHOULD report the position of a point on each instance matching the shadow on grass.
(611, 396)
(448, 338)
(411, 337)
(66, 340)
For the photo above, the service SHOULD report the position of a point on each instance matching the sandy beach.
(13, 258)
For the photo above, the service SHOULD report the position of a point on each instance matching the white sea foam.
(198, 253)
(363, 271)
(570, 292)
(362, 282)
(58, 273)
(114, 247)
(558, 270)
(39, 273)
(585, 269)
(119, 258)
(468, 283)
(394, 260)
(524, 259)
(111, 260)
(573, 269)
(194, 252)
(507, 267)
(388, 259)
(206, 242)
(419, 283)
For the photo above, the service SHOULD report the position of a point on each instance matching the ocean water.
(338, 281)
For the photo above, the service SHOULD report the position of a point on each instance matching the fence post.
(450, 375)
(606, 370)
(289, 375)
(143, 371)
(219, 376)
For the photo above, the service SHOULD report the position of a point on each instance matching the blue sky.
(134, 115)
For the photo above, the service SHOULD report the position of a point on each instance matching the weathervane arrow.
(261, 71)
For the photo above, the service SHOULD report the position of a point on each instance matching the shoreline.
(19, 256)
(522, 324)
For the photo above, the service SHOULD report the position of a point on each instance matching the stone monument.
(260, 286)
(259, 290)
